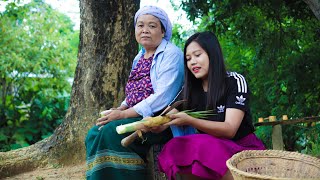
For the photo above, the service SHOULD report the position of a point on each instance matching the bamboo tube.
(272, 118)
(284, 117)
(125, 142)
(260, 119)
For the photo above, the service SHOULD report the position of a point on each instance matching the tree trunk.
(314, 6)
(3, 83)
(107, 48)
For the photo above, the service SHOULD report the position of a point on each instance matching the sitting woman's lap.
(106, 156)
(97, 138)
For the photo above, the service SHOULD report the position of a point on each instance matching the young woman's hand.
(158, 129)
(180, 119)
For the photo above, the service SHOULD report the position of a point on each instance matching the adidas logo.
(220, 109)
(240, 100)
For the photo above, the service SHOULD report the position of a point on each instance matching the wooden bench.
(277, 139)
(153, 163)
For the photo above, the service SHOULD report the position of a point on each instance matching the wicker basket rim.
(249, 154)
(250, 175)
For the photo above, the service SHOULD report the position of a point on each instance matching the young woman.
(208, 86)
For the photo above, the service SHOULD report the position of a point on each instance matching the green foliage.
(275, 45)
(265, 134)
(38, 51)
(180, 35)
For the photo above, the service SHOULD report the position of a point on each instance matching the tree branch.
(314, 6)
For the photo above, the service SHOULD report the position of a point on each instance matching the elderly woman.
(156, 77)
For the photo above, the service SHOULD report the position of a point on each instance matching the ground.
(63, 173)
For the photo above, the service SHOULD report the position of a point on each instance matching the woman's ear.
(163, 32)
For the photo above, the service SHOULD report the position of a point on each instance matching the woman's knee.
(92, 133)
(108, 131)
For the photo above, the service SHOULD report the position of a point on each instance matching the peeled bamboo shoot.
(156, 121)
(148, 122)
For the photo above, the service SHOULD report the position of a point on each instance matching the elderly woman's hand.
(109, 116)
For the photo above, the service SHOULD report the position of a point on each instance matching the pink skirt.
(202, 155)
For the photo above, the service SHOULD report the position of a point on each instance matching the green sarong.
(106, 158)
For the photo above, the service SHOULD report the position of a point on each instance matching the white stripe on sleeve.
(241, 82)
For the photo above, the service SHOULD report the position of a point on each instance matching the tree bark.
(106, 50)
(3, 83)
(314, 6)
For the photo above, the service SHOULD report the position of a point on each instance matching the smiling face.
(148, 31)
(197, 61)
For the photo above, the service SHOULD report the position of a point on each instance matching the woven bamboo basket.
(273, 165)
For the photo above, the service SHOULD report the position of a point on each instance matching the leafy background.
(38, 54)
(274, 44)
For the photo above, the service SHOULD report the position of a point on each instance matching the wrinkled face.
(197, 61)
(148, 31)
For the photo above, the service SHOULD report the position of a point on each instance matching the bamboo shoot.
(146, 122)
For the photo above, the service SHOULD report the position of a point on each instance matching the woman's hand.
(109, 115)
(122, 107)
(106, 112)
(180, 119)
(158, 129)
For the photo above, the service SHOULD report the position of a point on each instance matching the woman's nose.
(145, 30)
(193, 61)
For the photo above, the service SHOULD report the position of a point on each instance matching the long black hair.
(217, 70)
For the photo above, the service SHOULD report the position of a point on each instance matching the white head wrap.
(160, 14)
